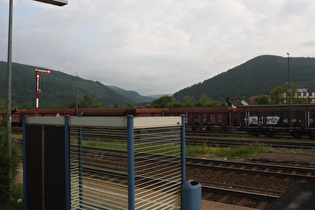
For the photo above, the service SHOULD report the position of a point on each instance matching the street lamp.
(9, 77)
(8, 107)
(55, 2)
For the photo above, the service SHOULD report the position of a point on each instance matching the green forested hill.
(132, 95)
(255, 77)
(57, 88)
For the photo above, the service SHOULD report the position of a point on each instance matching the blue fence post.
(130, 157)
(24, 163)
(80, 165)
(183, 148)
(67, 162)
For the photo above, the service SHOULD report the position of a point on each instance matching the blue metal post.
(67, 163)
(183, 149)
(130, 157)
(80, 164)
(24, 163)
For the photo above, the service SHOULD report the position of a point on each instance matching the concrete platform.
(300, 196)
(206, 205)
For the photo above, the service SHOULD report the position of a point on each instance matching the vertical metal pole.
(9, 81)
(43, 168)
(80, 166)
(289, 78)
(130, 157)
(24, 163)
(67, 162)
(290, 93)
(77, 97)
(183, 148)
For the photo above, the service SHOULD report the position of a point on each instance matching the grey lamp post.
(9, 78)
(8, 107)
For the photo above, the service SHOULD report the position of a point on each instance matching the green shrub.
(5, 165)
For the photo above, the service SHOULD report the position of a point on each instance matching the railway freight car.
(269, 120)
(106, 111)
(152, 112)
(206, 118)
(17, 116)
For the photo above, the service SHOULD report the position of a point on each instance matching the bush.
(5, 165)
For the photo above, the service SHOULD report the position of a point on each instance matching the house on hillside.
(244, 102)
(234, 103)
(303, 93)
(250, 101)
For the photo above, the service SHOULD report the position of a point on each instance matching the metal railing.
(105, 162)
(137, 165)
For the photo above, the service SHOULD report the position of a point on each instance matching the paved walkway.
(221, 206)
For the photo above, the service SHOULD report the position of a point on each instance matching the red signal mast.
(37, 74)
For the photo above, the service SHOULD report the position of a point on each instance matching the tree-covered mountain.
(255, 77)
(132, 95)
(57, 88)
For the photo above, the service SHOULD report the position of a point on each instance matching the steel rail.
(256, 168)
(243, 167)
(240, 193)
(198, 140)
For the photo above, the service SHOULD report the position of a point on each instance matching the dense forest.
(257, 76)
(57, 89)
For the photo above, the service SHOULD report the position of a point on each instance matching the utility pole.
(77, 96)
(289, 93)
(289, 82)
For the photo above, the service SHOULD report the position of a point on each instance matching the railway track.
(255, 196)
(245, 184)
(237, 197)
(228, 142)
(283, 171)
(217, 194)
(275, 170)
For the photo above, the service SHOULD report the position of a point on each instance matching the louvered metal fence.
(116, 167)
(121, 162)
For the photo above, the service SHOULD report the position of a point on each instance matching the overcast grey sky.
(155, 47)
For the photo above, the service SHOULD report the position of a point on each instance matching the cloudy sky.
(155, 47)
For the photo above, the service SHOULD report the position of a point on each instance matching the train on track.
(269, 120)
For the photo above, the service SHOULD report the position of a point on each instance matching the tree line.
(279, 95)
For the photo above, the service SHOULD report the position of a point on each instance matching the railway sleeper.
(262, 205)
(243, 202)
(224, 199)
(207, 196)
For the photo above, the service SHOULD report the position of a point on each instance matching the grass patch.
(228, 152)
(191, 151)
(168, 149)
(109, 145)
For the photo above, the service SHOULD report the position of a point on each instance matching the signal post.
(37, 74)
